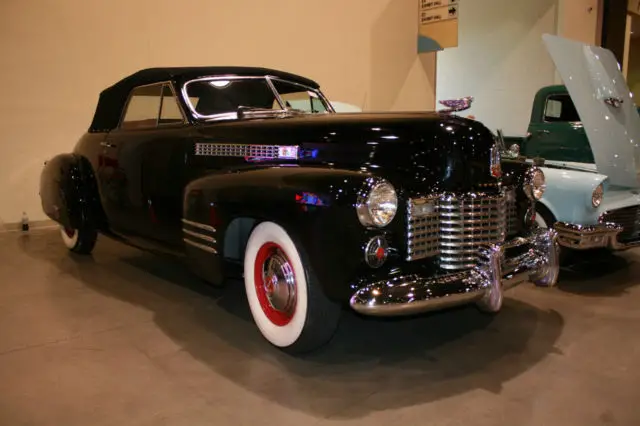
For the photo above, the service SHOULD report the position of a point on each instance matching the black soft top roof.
(113, 99)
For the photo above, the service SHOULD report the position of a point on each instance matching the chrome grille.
(513, 224)
(422, 228)
(454, 227)
(466, 224)
(629, 219)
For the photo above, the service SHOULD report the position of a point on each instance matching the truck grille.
(629, 219)
(455, 227)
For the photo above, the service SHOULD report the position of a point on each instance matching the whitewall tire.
(286, 302)
(69, 237)
(80, 241)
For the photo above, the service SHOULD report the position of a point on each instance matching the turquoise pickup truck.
(555, 130)
(585, 137)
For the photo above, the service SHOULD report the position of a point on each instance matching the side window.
(560, 108)
(143, 108)
(170, 110)
(299, 98)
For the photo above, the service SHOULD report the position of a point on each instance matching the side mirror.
(514, 150)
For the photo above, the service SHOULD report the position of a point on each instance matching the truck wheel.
(285, 298)
(81, 241)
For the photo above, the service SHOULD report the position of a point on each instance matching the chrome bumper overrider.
(536, 260)
(583, 237)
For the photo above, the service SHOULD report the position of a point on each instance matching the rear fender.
(68, 192)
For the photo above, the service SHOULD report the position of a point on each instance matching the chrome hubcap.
(279, 282)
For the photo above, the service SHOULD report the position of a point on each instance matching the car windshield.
(211, 98)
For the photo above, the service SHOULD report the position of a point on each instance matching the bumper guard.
(497, 271)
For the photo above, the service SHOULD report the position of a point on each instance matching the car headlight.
(596, 197)
(378, 207)
(535, 184)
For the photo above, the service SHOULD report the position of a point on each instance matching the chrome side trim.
(285, 152)
(199, 225)
(200, 246)
(200, 236)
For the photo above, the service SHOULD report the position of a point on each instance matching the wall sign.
(438, 24)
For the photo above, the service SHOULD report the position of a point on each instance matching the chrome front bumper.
(584, 237)
(497, 271)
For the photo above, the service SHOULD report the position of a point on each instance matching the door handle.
(107, 144)
(544, 132)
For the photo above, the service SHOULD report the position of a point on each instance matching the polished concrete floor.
(126, 338)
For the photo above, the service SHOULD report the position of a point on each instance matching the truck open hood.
(607, 110)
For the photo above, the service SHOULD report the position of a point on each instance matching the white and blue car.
(592, 203)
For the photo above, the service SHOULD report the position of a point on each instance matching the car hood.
(425, 150)
(603, 100)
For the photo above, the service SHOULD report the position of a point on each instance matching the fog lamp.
(376, 252)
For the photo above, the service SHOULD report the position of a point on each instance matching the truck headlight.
(379, 205)
(535, 184)
(596, 197)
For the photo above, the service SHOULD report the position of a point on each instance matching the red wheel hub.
(275, 283)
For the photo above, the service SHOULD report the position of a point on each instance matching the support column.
(614, 27)
(579, 20)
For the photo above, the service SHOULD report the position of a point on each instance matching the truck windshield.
(216, 98)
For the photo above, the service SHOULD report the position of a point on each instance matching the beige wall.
(502, 61)
(578, 20)
(58, 55)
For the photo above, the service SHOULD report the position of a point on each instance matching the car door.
(165, 172)
(559, 134)
(121, 163)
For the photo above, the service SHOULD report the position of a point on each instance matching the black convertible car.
(390, 214)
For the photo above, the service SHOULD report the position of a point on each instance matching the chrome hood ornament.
(454, 105)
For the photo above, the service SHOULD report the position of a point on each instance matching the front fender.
(568, 195)
(315, 205)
